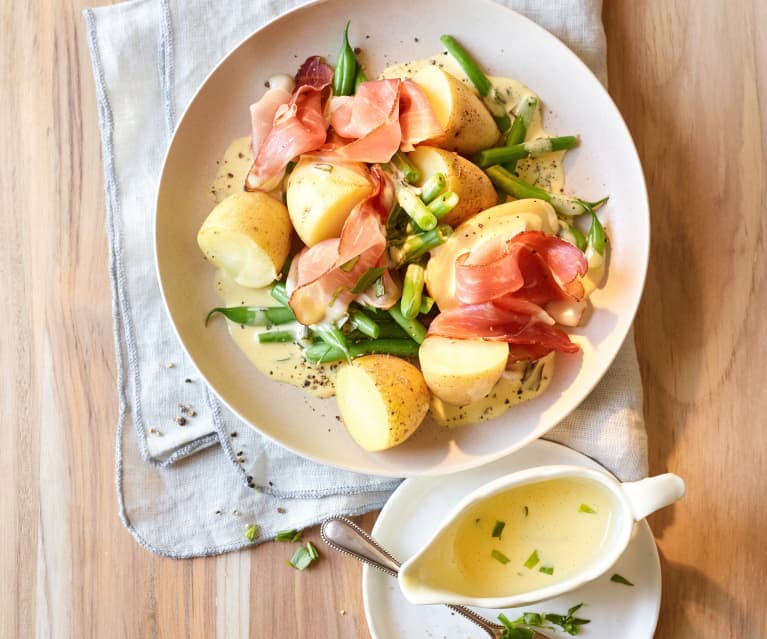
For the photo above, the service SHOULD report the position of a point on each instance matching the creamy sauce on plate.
(522, 539)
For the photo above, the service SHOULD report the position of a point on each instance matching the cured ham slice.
(417, 119)
(262, 115)
(326, 274)
(516, 322)
(532, 265)
(298, 126)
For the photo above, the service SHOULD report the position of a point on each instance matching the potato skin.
(475, 190)
(468, 125)
(382, 400)
(320, 195)
(248, 235)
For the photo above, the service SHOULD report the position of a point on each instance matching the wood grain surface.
(689, 77)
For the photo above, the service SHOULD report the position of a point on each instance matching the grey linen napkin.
(190, 476)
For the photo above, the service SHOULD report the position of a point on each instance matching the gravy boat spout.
(532, 535)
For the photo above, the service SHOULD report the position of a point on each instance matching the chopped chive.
(585, 508)
(547, 570)
(498, 528)
(252, 532)
(276, 337)
(289, 535)
(347, 267)
(525, 510)
(532, 560)
(499, 556)
(367, 279)
(304, 556)
(620, 579)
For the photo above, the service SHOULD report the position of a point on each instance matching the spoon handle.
(347, 537)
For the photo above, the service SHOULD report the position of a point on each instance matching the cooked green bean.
(533, 148)
(518, 131)
(596, 236)
(443, 204)
(564, 205)
(433, 187)
(426, 304)
(322, 353)
(417, 244)
(416, 209)
(346, 67)
(412, 290)
(410, 172)
(280, 293)
(365, 324)
(332, 335)
(272, 337)
(254, 315)
(412, 327)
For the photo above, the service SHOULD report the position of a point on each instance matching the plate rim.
(368, 464)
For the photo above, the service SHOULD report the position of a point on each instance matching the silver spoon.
(345, 536)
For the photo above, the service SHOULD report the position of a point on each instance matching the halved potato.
(462, 371)
(320, 196)
(503, 220)
(248, 236)
(475, 190)
(382, 400)
(467, 123)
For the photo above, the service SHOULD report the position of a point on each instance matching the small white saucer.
(414, 512)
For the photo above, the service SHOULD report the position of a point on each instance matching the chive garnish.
(532, 560)
(289, 535)
(304, 556)
(548, 570)
(367, 279)
(585, 508)
(252, 532)
(499, 556)
(498, 528)
(620, 579)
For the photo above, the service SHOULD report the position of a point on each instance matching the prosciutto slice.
(516, 322)
(323, 276)
(298, 126)
(532, 265)
(417, 119)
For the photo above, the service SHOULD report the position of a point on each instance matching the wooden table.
(691, 80)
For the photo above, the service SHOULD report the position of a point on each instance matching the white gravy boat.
(438, 572)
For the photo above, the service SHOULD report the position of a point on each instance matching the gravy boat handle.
(653, 493)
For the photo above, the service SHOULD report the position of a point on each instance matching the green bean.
(596, 236)
(364, 324)
(443, 204)
(412, 327)
(359, 78)
(412, 290)
(433, 187)
(272, 337)
(416, 209)
(501, 154)
(564, 205)
(518, 131)
(417, 244)
(322, 353)
(280, 293)
(573, 234)
(426, 304)
(332, 335)
(492, 99)
(410, 172)
(346, 67)
(254, 315)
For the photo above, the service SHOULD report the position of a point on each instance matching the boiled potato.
(503, 220)
(461, 371)
(382, 400)
(467, 123)
(248, 236)
(320, 196)
(475, 190)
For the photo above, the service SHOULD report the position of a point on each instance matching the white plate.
(415, 511)
(506, 44)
